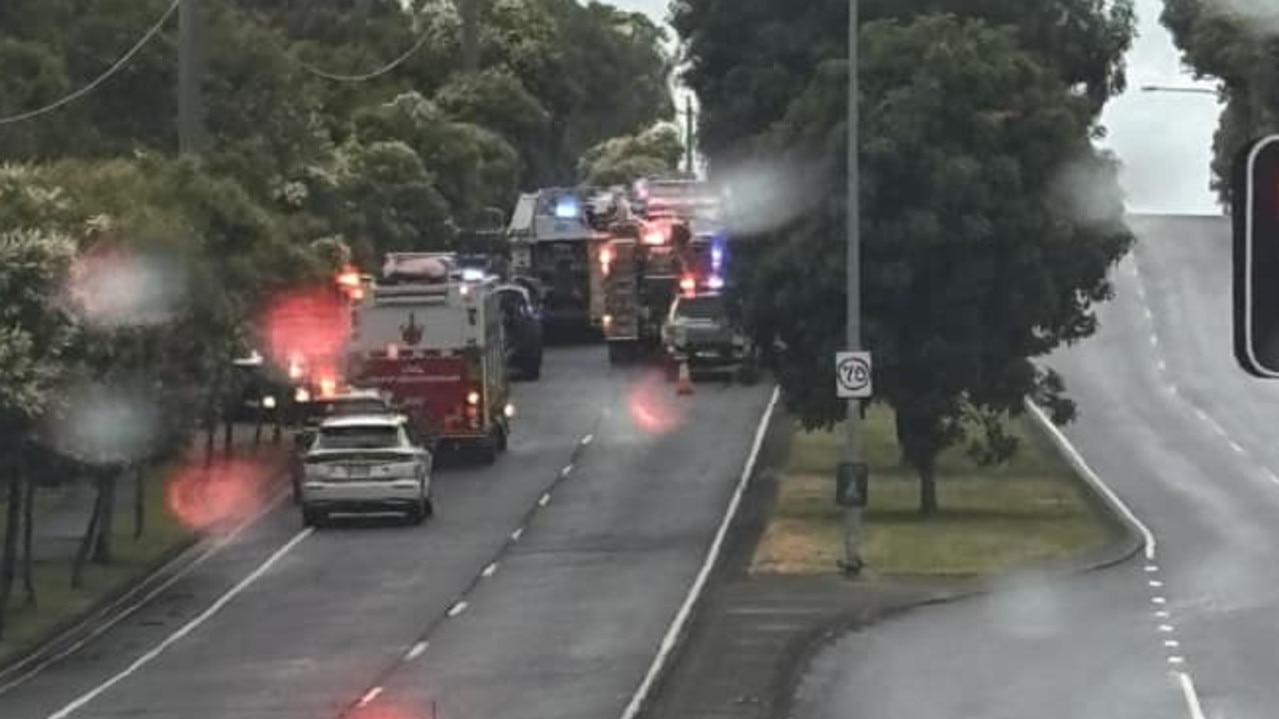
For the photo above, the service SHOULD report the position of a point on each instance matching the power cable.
(335, 77)
(115, 67)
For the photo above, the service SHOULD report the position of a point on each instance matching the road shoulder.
(752, 637)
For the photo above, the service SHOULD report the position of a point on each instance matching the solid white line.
(184, 630)
(416, 651)
(489, 570)
(515, 536)
(676, 627)
(458, 608)
(1081, 466)
(1202, 415)
(588, 439)
(546, 499)
(1236, 446)
(1191, 696)
(370, 695)
(131, 606)
(566, 471)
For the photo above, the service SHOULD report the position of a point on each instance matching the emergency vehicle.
(434, 342)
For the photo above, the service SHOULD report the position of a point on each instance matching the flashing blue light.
(715, 282)
(566, 208)
(717, 255)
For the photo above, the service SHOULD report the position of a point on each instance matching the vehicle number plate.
(357, 470)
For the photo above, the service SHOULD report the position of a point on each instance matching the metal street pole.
(853, 439)
(190, 76)
(688, 132)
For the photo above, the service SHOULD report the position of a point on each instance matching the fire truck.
(642, 266)
(433, 340)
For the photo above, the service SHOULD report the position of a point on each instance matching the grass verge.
(992, 518)
(57, 603)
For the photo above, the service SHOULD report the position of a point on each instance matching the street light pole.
(853, 438)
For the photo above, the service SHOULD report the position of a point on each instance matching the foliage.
(622, 160)
(988, 226)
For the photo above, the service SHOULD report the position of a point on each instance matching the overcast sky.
(1163, 138)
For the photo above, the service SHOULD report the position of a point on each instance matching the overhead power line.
(336, 77)
(93, 84)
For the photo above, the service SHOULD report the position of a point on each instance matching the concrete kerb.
(1130, 540)
(67, 636)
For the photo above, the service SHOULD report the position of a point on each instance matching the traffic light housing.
(1255, 219)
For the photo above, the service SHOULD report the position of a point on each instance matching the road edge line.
(678, 624)
(1076, 460)
(190, 626)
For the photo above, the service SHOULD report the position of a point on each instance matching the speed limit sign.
(852, 375)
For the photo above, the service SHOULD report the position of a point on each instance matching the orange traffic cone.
(685, 383)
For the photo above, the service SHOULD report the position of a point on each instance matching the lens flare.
(652, 406)
(203, 499)
(306, 328)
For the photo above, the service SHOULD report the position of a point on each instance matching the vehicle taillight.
(473, 398)
(606, 259)
(328, 387)
(688, 284)
(392, 351)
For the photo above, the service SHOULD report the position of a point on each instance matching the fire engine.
(433, 340)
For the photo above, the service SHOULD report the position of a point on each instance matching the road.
(542, 587)
(1185, 439)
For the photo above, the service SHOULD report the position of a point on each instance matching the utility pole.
(852, 454)
(470, 11)
(191, 76)
(689, 134)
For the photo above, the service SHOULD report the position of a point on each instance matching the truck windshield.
(700, 308)
(358, 437)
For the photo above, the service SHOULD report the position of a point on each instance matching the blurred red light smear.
(229, 490)
(312, 323)
(652, 406)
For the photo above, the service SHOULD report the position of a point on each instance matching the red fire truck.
(434, 342)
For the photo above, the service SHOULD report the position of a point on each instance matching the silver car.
(366, 463)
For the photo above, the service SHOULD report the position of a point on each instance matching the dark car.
(521, 318)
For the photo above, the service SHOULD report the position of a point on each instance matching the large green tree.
(989, 225)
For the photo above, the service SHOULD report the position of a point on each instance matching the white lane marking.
(1236, 446)
(1191, 696)
(1081, 466)
(1154, 340)
(676, 628)
(566, 471)
(1171, 643)
(1152, 567)
(1149, 315)
(1172, 389)
(458, 608)
(1165, 628)
(515, 536)
(1219, 429)
(1176, 659)
(545, 500)
(1272, 476)
(416, 651)
(370, 695)
(1162, 614)
(184, 630)
(1163, 366)
(489, 570)
(1202, 415)
(588, 439)
(1158, 600)
(131, 606)
(1156, 583)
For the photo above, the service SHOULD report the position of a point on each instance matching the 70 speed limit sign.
(852, 375)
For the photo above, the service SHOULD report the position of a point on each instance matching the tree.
(989, 224)
(622, 160)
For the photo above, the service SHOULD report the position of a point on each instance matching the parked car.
(521, 318)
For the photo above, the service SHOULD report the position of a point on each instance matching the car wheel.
(533, 370)
(488, 450)
(417, 514)
(312, 517)
(500, 439)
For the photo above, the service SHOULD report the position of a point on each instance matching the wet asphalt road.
(1186, 439)
(541, 589)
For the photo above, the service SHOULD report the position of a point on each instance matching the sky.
(1164, 139)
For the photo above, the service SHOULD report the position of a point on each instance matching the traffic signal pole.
(852, 452)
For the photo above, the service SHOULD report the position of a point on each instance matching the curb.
(1131, 541)
(70, 634)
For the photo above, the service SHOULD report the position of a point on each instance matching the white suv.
(366, 463)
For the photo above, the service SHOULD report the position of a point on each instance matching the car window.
(347, 407)
(359, 437)
(700, 308)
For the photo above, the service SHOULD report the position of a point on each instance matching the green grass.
(58, 603)
(992, 518)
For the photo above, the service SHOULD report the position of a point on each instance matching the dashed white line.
(370, 695)
(546, 499)
(1149, 315)
(1202, 415)
(515, 536)
(1158, 600)
(1162, 366)
(566, 471)
(1154, 340)
(458, 608)
(1171, 643)
(1190, 695)
(1152, 567)
(588, 439)
(416, 651)
(1162, 614)
(1176, 659)
(1166, 628)
(1236, 447)
(1155, 583)
(489, 570)
(184, 630)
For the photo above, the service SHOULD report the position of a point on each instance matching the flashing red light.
(654, 237)
(349, 276)
(328, 387)
(606, 259)
(688, 283)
